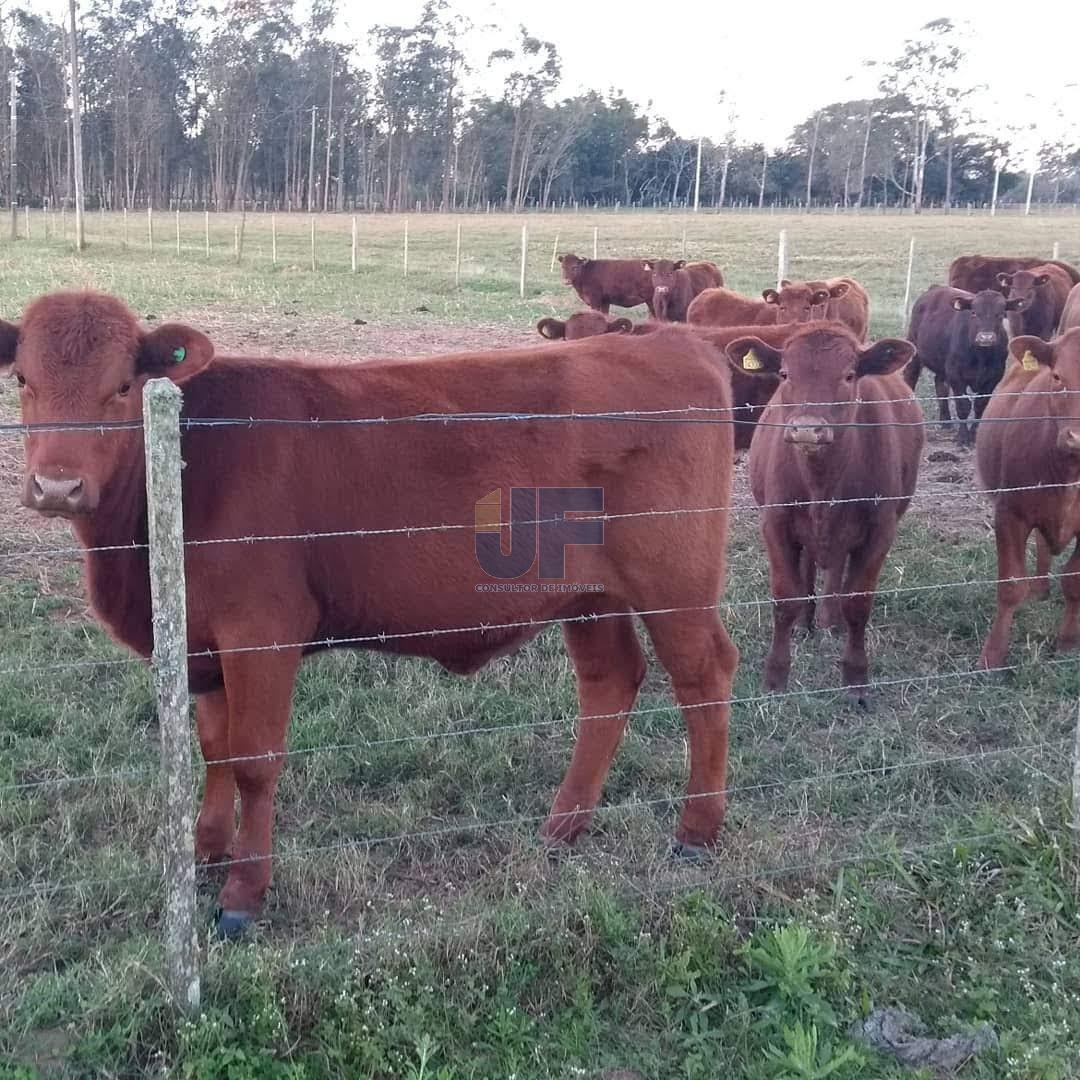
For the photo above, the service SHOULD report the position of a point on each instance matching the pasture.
(917, 854)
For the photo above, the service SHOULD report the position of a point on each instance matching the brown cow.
(840, 299)
(1036, 443)
(603, 282)
(82, 357)
(724, 307)
(1070, 317)
(1039, 296)
(812, 453)
(583, 324)
(675, 284)
(973, 273)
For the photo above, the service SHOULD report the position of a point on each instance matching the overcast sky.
(777, 61)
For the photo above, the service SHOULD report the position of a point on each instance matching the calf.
(1070, 316)
(973, 273)
(583, 324)
(1040, 294)
(255, 609)
(832, 492)
(839, 299)
(603, 282)
(1036, 452)
(724, 307)
(675, 284)
(961, 338)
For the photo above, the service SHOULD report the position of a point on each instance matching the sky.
(776, 62)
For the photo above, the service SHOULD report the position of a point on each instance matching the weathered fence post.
(554, 252)
(904, 311)
(353, 259)
(683, 256)
(273, 239)
(1057, 250)
(405, 252)
(125, 226)
(781, 257)
(161, 420)
(206, 231)
(27, 221)
(457, 258)
(595, 240)
(314, 265)
(150, 226)
(177, 232)
(524, 257)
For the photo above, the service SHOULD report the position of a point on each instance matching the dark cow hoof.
(231, 924)
(694, 854)
(859, 698)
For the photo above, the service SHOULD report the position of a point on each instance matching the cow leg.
(941, 388)
(912, 371)
(864, 569)
(832, 612)
(1068, 638)
(259, 686)
(808, 571)
(701, 660)
(1039, 589)
(787, 585)
(965, 433)
(217, 815)
(1010, 535)
(609, 667)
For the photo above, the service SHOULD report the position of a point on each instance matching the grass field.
(917, 854)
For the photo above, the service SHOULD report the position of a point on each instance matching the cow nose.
(809, 432)
(662, 289)
(985, 338)
(1069, 439)
(51, 495)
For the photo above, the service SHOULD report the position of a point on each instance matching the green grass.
(947, 886)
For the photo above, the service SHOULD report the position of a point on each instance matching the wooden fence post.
(125, 233)
(206, 231)
(405, 252)
(524, 258)
(905, 311)
(313, 262)
(554, 252)
(353, 261)
(150, 227)
(457, 258)
(1057, 250)
(177, 232)
(161, 419)
(781, 257)
(273, 239)
(595, 240)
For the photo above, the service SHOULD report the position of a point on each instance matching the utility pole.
(311, 167)
(13, 165)
(329, 138)
(76, 132)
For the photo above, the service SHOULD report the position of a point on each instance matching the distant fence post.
(177, 232)
(524, 258)
(206, 231)
(352, 260)
(27, 221)
(125, 232)
(313, 263)
(1057, 250)
(554, 252)
(595, 240)
(457, 258)
(907, 287)
(273, 239)
(405, 252)
(150, 227)
(683, 256)
(781, 257)
(161, 419)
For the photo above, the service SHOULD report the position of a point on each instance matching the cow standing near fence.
(256, 609)
(603, 282)
(675, 284)
(1038, 296)
(833, 464)
(838, 299)
(973, 273)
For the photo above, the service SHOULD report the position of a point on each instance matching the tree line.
(246, 105)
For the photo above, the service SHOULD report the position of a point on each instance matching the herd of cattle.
(366, 483)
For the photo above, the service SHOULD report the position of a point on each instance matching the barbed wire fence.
(162, 428)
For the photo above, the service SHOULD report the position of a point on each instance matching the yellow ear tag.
(1029, 362)
(752, 362)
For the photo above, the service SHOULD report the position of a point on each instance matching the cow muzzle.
(662, 290)
(52, 496)
(985, 339)
(1069, 440)
(809, 433)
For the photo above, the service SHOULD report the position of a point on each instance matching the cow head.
(819, 370)
(1021, 287)
(81, 357)
(796, 300)
(983, 324)
(583, 324)
(664, 279)
(572, 266)
(1060, 360)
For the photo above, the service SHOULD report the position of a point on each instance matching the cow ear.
(9, 342)
(822, 296)
(884, 357)
(770, 296)
(647, 266)
(963, 303)
(1030, 351)
(784, 283)
(619, 326)
(680, 264)
(1004, 280)
(552, 329)
(751, 356)
(174, 350)
(560, 258)
(839, 289)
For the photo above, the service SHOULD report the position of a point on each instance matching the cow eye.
(124, 390)
(783, 375)
(849, 377)
(20, 378)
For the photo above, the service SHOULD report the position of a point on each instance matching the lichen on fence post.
(161, 419)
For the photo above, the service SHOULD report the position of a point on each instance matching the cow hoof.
(695, 854)
(231, 924)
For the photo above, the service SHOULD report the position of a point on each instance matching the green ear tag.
(752, 362)
(178, 354)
